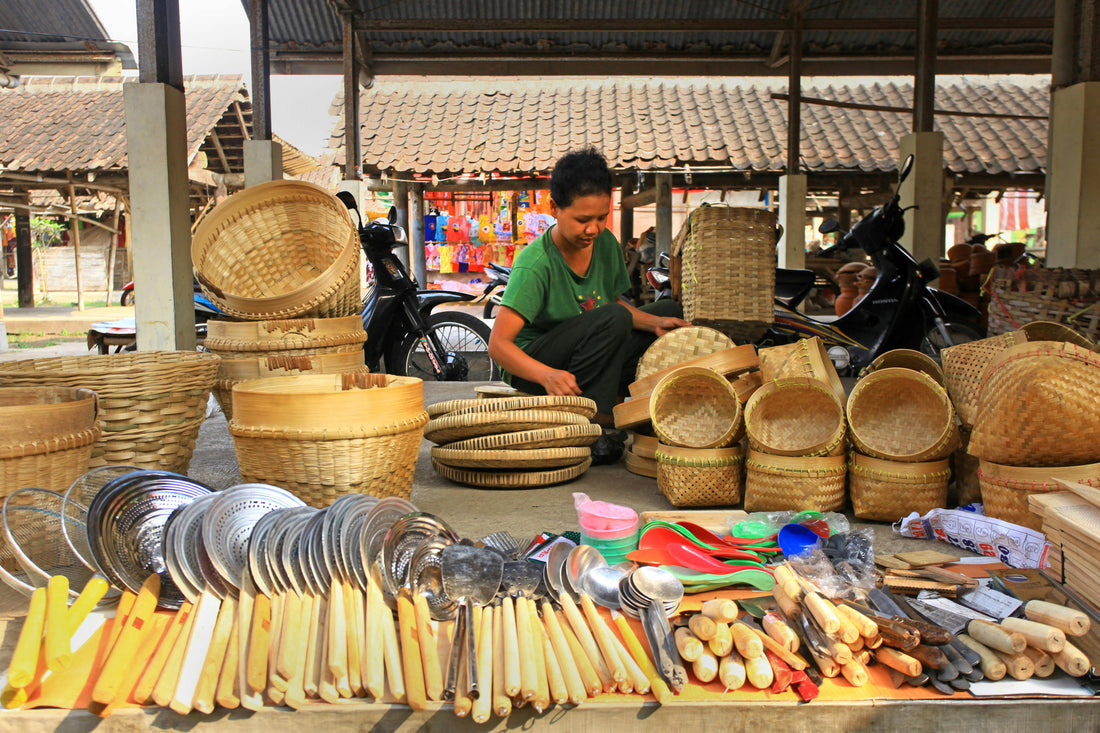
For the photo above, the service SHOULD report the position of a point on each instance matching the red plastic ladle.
(661, 537)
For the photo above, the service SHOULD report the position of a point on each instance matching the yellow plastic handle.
(89, 598)
(58, 645)
(25, 659)
(111, 677)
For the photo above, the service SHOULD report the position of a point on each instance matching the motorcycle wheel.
(465, 339)
(960, 333)
(127, 297)
(491, 305)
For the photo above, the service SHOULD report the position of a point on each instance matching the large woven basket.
(234, 371)
(1038, 406)
(886, 491)
(325, 435)
(151, 403)
(1054, 331)
(1020, 296)
(794, 483)
(289, 337)
(1005, 488)
(281, 249)
(678, 346)
(696, 408)
(699, 477)
(808, 358)
(963, 366)
(46, 436)
(799, 416)
(726, 262)
(907, 359)
(900, 414)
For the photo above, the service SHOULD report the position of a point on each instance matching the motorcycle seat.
(792, 286)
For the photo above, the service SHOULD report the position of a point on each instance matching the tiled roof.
(518, 127)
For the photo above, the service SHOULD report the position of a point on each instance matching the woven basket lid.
(907, 359)
(449, 428)
(644, 446)
(632, 413)
(559, 437)
(809, 359)
(511, 479)
(680, 345)
(499, 459)
(726, 362)
(492, 391)
(641, 465)
(577, 405)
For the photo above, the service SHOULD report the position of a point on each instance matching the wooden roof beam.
(221, 151)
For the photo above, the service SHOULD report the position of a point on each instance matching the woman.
(564, 327)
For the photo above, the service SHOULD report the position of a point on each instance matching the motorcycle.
(494, 291)
(204, 307)
(402, 331)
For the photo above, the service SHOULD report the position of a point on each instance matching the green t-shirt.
(545, 291)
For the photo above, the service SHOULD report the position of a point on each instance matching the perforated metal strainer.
(32, 520)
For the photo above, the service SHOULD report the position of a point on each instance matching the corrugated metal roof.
(49, 22)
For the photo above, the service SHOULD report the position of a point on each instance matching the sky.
(214, 40)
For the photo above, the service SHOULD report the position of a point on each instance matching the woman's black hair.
(579, 173)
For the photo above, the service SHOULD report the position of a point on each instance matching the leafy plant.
(45, 232)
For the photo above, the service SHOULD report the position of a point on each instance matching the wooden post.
(794, 100)
(111, 252)
(75, 229)
(924, 87)
(24, 254)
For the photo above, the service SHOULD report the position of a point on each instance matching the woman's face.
(579, 223)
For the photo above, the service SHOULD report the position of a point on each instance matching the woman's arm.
(659, 325)
(503, 350)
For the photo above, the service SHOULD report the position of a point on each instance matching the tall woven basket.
(151, 403)
(795, 483)
(886, 491)
(1005, 488)
(726, 261)
(699, 477)
(325, 435)
(46, 436)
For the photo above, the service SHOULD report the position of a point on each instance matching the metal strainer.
(32, 526)
(230, 519)
(174, 559)
(74, 509)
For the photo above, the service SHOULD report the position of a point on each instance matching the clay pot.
(949, 278)
(1007, 252)
(981, 261)
(846, 299)
(959, 255)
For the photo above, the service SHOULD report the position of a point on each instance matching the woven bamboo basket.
(886, 491)
(289, 337)
(1019, 296)
(726, 262)
(512, 479)
(902, 415)
(234, 371)
(746, 385)
(644, 446)
(1054, 331)
(727, 362)
(907, 359)
(808, 358)
(151, 403)
(678, 346)
(773, 358)
(324, 435)
(963, 366)
(1037, 406)
(281, 249)
(640, 465)
(799, 416)
(564, 403)
(46, 436)
(965, 470)
(699, 477)
(794, 483)
(696, 408)
(1005, 488)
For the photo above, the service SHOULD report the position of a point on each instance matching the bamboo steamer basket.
(902, 415)
(680, 345)
(794, 483)
(1037, 406)
(727, 362)
(907, 359)
(797, 416)
(808, 358)
(1005, 489)
(281, 249)
(151, 403)
(640, 465)
(886, 491)
(963, 366)
(632, 413)
(288, 337)
(324, 435)
(46, 436)
(696, 408)
(234, 371)
(699, 477)
(773, 358)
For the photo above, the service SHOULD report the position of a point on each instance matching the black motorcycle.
(403, 333)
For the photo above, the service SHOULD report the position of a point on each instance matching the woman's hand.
(559, 382)
(666, 324)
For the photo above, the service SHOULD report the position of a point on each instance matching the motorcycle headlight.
(840, 357)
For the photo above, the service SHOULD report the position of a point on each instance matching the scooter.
(204, 307)
(494, 291)
(402, 331)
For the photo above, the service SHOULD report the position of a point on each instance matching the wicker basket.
(886, 491)
(907, 359)
(808, 358)
(699, 477)
(324, 435)
(726, 262)
(799, 416)
(644, 446)
(727, 362)
(234, 371)
(640, 465)
(1005, 488)
(965, 470)
(963, 366)
(677, 346)
(151, 403)
(696, 408)
(46, 436)
(773, 358)
(790, 483)
(1069, 297)
(281, 249)
(290, 337)
(902, 415)
(1051, 331)
(1037, 406)
(746, 385)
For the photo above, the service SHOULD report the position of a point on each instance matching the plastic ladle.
(711, 538)
(664, 537)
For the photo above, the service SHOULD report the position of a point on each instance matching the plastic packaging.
(766, 524)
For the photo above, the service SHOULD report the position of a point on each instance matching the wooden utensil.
(123, 652)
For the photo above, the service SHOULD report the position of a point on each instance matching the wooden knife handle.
(996, 637)
(118, 663)
(259, 644)
(821, 612)
(603, 638)
(929, 633)
(564, 656)
(143, 692)
(410, 654)
(588, 645)
(1043, 636)
(898, 660)
(429, 651)
(778, 630)
(991, 665)
(555, 681)
(24, 661)
(169, 676)
(1072, 661)
(483, 703)
(207, 685)
(58, 643)
(1070, 621)
(529, 653)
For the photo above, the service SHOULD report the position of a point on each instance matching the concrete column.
(991, 215)
(263, 161)
(792, 217)
(24, 255)
(401, 202)
(1073, 219)
(663, 228)
(156, 146)
(416, 234)
(924, 225)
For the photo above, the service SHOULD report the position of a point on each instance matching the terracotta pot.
(949, 279)
(846, 300)
(981, 261)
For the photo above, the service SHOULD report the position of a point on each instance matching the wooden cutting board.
(716, 520)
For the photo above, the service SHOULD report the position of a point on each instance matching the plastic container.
(601, 520)
(615, 550)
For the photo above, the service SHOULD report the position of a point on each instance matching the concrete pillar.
(1073, 219)
(263, 161)
(991, 215)
(401, 202)
(924, 225)
(792, 217)
(663, 228)
(156, 146)
(24, 255)
(416, 234)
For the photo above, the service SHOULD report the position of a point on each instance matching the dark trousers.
(599, 347)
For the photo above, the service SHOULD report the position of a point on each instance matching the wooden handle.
(58, 644)
(429, 650)
(316, 644)
(898, 660)
(259, 644)
(785, 580)
(930, 657)
(337, 632)
(721, 642)
(24, 661)
(748, 643)
(778, 630)
(246, 611)
(848, 632)
(603, 638)
(789, 658)
(634, 672)
(1072, 661)
(656, 683)
(463, 701)
(227, 693)
(866, 627)
(555, 679)
(168, 680)
(996, 637)
(704, 627)
(207, 684)
(89, 598)
(410, 654)
(530, 653)
(855, 673)
(143, 691)
(373, 646)
(512, 679)
(758, 671)
(705, 668)
(353, 622)
(991, 665)
(1044, 663)
(395, 675)
(574, 685)
(276, 685)
(295, 696)
(688, 644)
(122, 654)
(720, 609)
(588, 673)
(291, 633)
(483, 703)
(731, 671)
(1045, 637)
(587, 643)
(328, 688)
(787, 605)
(502, 702)
(1019, 665)
(1070, 621)
(822, 613)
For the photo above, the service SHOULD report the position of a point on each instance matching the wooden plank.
(891, 561)
(921, 558)
(1089, 494)
(912, 586)
(718, 521)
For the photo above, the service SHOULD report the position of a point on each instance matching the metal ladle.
(654, 594)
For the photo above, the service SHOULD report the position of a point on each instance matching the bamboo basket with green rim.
(287, 337)
(324, 435)
(281, 249)
(1005, 489)
(796, 416)
(794, 483)
(151, 403)
(886, 491)
(234, 371)
(46, 436)
(907, 359)
(699, 476)
(696, 408)
(900, 414)
(727, 362)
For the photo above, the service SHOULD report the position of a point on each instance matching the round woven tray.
(775, 483)
(644, 446)
(493, 391)
(500, 459)
(678, 346)
(902, 415)
(963, 366)
(632, 413)
(808, 358)
(907, 359)
(727, 362)
(886, 491)
(294, 335)
(797, 416)
(699, 477)
(577, 405)
(1005, 488)
(696, 408)
(640, 465)
(449, 428)
(559, 437)
(511, 479)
